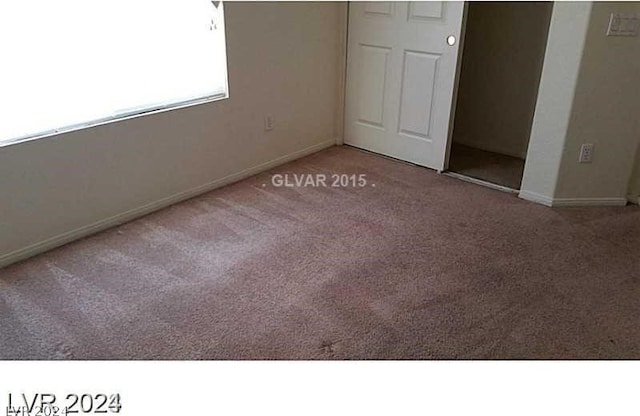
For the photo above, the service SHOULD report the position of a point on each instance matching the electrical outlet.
(268, 123)
(586, 153)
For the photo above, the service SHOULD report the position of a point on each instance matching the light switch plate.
(623, 24)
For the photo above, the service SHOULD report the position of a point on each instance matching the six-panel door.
(400, 78)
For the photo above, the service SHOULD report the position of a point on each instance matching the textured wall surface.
(284, 59)
(605, 111)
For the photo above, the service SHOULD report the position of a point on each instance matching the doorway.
(407, 67)
(402, 59)
(501, 64)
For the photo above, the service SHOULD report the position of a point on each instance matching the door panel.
(416, 100)
(400, 78)
(373, 67)
(425, 10)
(384, 8)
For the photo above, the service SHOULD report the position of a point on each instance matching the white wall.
(283, 58)
(565, 45)
(605, 112)
(588, 94)
(503, 53)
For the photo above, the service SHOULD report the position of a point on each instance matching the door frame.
(454, 99)
(458, 71)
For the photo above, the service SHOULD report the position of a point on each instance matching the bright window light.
(71, 63)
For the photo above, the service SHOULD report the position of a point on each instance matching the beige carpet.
(488, 166)
(419, 266)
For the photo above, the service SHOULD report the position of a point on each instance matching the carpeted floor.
(420, 266)
(489, 166)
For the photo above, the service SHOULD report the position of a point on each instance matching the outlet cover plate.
(586, 153)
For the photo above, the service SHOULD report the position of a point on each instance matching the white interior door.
(401, 74)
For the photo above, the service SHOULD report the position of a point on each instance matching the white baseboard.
(123, 217)
(589, 202)
(537, 198)
(572, 202)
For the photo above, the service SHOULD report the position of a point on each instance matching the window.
(71, 63)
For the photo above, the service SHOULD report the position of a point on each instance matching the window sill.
(120, 117)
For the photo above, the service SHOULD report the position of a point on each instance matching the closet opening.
(503, 53)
